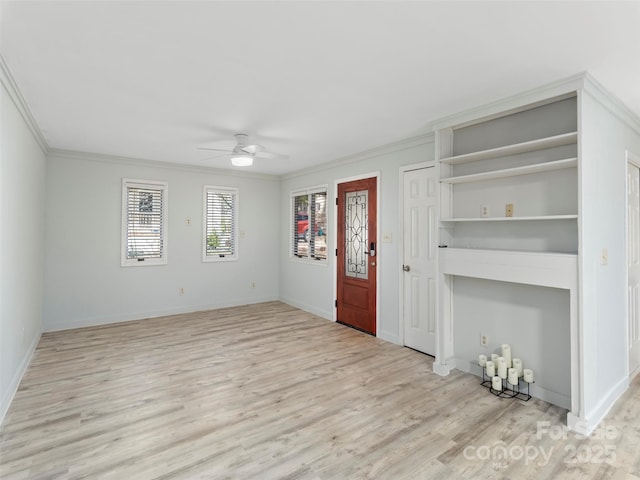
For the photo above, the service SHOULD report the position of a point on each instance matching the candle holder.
(508, 390)
(486, 381)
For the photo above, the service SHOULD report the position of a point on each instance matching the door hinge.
(336, 252)
(335, 303)
(336, 200)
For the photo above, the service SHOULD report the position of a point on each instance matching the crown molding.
(399, 145)
(583, 81)
(57, 154)
(9, 83)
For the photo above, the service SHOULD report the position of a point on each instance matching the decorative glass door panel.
(356, 234)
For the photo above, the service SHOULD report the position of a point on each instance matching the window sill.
(229, 258)
(311, 261)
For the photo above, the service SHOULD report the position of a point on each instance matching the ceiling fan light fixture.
(242, 160)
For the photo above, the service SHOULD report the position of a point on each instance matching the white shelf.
(531, 146)
(558, 270)
(511, 219)
(512, 172)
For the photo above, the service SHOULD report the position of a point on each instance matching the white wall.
(22, 200)
(84, 282)
(310, 286)
(604, 140)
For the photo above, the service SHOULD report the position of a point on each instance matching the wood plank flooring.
(268, 391)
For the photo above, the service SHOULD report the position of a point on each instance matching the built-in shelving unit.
(529, 210)
(508, 170)
(509, 221)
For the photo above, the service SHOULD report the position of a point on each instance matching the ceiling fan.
(244, 152)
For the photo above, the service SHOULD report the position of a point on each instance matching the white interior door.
(633, 258)
(419, 259)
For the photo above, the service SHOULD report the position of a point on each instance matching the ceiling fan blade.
(253, 149)
(215, 149)
(243, 148)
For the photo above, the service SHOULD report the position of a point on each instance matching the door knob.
(406, 268)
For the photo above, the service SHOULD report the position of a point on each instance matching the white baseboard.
(107, 319)
(588, 424)
(382, 335)
(308, 308)
(389, 337)
(10, 392)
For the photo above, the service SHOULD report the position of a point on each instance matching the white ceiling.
(317, 81)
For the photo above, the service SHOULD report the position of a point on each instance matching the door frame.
(334, 236)
(401, 277)
(633, 159)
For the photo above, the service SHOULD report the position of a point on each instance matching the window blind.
(144, 223)
(220, 222)
(309, 224)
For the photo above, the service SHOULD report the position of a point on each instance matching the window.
(220, 224)
(309, 224)
(144, 223)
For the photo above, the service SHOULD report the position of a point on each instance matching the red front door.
(357, 254)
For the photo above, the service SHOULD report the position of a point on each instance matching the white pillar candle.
(502, 367)
(496, 383)
(482, 360)
(491, 368)
(517, 364)
(528, 375)
(506, 353)
(512, 376)
(494, 357)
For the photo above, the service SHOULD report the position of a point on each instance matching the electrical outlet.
(484, 211)
(484, 339)
(508, 210)
(181, 291)
(604, 257)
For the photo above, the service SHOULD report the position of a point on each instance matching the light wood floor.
(268, 391)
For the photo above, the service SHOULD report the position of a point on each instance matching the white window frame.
(151, 185)
(293, 225)
(236, 222)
